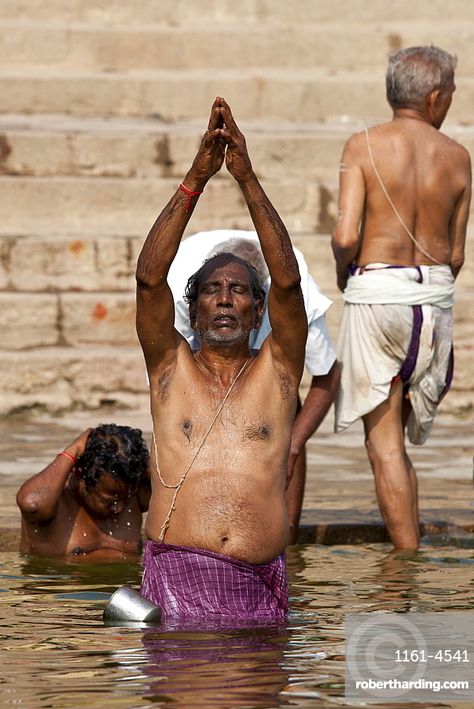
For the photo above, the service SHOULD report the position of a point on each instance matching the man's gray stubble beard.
(216, 337)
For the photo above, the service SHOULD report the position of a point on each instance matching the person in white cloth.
(399, 244)
(320, 359)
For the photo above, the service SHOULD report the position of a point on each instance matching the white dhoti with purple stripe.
(397, 322)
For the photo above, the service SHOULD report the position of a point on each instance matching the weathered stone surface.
(80, 207)
(78, 47)
(86, 207)
(74, 264)
(274, 95)
(5, 246)
(103, 105)
(147, 148)
(98, 319)
(28, 321)
(278, 12)
(318, 254)
(63, 378)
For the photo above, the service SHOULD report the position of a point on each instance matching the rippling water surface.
(57, 653)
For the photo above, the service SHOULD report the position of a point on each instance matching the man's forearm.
(274, 239)
(165, 236)
(344, 257)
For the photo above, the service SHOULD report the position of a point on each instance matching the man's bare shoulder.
(354, 146)
(459, 151)
(355, 150)
(458, 159)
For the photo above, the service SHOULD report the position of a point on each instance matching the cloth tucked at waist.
(381, 341)
(383, 284)
(196, 583)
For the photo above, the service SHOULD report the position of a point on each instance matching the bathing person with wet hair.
(90, 498)
(320, 356)
(404, 200)
(223, 414)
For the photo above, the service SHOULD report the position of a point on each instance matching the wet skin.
(234, 460)
(234, 491)
(107, 517)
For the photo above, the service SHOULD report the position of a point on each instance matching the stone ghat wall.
(103, 105)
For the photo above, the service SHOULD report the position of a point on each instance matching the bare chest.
(75, 531)
(252, 412)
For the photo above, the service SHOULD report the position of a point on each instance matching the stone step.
(69, 319)
(75, 206)
(83, 264)
(92, 264)
(247, 12)
(54, 145)
(34, 315)
(63, 378)
(187, 95)
(355, 47)
(115, 207)
(66, 145)
(267, 95)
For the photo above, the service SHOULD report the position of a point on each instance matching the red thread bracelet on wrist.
(68, 455)
(189, 194)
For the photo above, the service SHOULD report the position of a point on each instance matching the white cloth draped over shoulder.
(193, 250)
(380, 329)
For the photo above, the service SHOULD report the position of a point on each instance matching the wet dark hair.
(192, 287)
(119, 451)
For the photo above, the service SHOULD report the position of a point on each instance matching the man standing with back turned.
(399, 244)
(222, 416)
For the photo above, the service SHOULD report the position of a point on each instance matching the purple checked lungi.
(187, 582)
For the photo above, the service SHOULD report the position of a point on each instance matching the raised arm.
(38, 497)
(347, 235)
(155, 309)
(285, 300)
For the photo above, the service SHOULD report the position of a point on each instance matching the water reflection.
(57, 653)
(233, 669)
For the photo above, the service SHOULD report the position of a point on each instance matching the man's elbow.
(143, 276)
(291, 282)
(456, 265)
(343, 245)
(30, 507)
(330, 381)
(146, 280)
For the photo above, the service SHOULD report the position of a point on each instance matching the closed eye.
(210, 288)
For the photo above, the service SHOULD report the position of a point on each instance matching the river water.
(57, 653)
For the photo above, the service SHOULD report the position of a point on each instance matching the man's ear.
(432, 99)
(259, 310)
